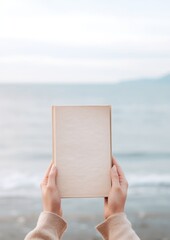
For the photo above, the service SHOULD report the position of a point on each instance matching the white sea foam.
(149, 180)
(18, 183)
(18, 180)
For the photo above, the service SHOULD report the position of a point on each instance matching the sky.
(83, 41)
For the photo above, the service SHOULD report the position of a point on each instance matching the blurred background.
(85, 52)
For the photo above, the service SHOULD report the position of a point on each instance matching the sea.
(140, 135)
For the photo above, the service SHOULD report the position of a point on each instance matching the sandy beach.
(19, 216)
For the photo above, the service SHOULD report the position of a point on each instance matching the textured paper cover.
(82, 150)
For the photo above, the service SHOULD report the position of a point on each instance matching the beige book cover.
(82, 150)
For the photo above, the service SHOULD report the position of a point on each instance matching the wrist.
(114, 212)
(54, 211)
(50, 213)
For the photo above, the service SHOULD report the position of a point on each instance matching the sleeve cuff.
(52, 221)
(110, 222)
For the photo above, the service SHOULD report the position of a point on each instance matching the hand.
(50, 194)
(115, 202)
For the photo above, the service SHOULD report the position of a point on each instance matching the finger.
(119, 169)
(48, 170)
(52, 176)
(45, 178)
(122, 178)
(115, 177)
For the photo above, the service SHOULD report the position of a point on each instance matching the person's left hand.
(50, 194)
(115, 202)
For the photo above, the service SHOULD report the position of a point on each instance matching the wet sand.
(19, 216)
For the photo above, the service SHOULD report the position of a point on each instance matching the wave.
(149, 180)
(20, 184)
(156, 155)
(151, 108)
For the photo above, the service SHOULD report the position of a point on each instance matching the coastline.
(19, 215)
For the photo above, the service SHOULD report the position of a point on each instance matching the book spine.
(54, 134)
(111, 134)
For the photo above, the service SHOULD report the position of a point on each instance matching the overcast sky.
(83, 41)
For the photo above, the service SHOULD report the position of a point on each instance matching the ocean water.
(140, 133)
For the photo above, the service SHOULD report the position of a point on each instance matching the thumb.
(52, 176)
(115, 177)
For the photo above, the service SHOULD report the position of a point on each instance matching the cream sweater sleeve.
(50, 226)
(117, 227)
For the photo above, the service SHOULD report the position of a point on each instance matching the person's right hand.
(115, 202)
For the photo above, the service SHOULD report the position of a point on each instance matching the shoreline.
(20, 215)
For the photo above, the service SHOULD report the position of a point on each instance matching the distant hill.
(147, 91)
(164, 79)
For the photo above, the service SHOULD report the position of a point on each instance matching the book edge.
(54, 144)
(106, 105)
(111, 163)
(53, 135)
